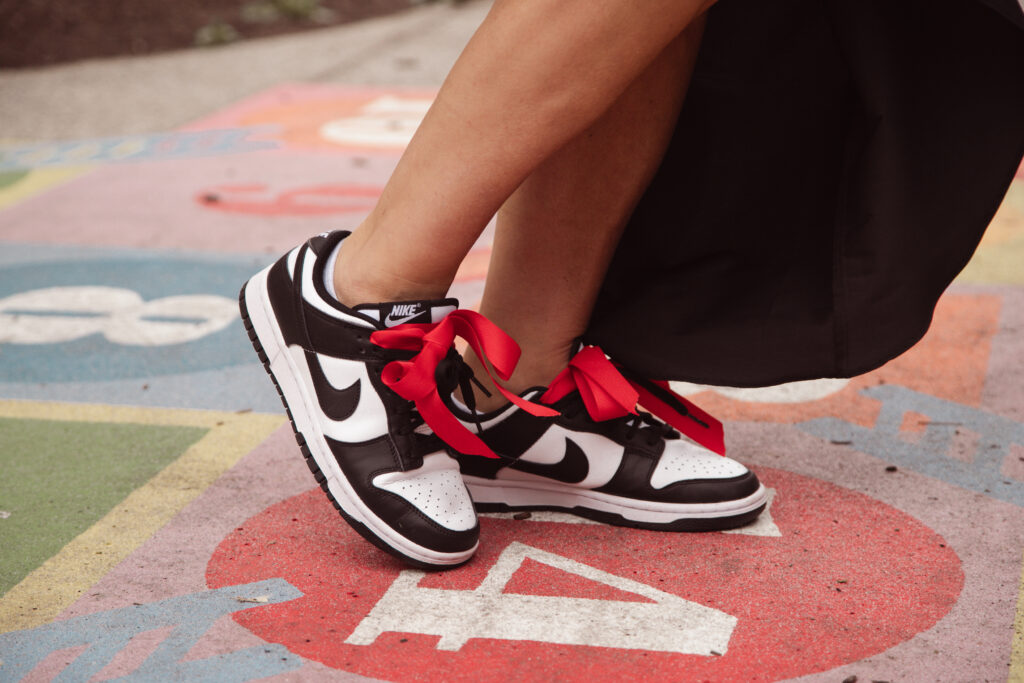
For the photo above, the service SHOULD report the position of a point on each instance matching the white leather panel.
(439, 313)
(293, 256)
(369, 420)
(504, 413)
(684, 460)
(309, 293)
(603, 456)
(436, 489)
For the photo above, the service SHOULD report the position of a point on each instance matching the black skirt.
(834, 167)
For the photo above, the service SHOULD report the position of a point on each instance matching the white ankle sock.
(329, 271)
(462, 406)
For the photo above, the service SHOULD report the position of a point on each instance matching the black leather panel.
(320, 330)
(361, 462)
(572, 468)
(509, 439)
(337, 404)
(632, 480)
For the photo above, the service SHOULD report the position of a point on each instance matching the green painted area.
(58, 478)
(11, 177)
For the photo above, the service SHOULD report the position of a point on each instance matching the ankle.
(483, 402)
(533, 370)
(360, 278)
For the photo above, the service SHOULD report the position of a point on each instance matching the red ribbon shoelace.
(415, 379)
(608, 395)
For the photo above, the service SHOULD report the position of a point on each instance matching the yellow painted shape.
(1000, 257)
(1017, 649)
(57, 583)
(38, 180)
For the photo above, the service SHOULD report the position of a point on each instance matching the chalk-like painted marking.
(162, 146)
(60, 314)
(791, 392)
(105, 634)
(929, 454)
(35, 182)
(59, 581)
(162, 283)
(764, 525)
(387, 122)
(1017, 648)
(669, 624)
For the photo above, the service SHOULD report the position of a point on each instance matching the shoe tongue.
(577, 345)
(394, 313)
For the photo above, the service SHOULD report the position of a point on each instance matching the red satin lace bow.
(608, 395)
(414, 379)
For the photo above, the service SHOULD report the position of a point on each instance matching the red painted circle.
(849, 577)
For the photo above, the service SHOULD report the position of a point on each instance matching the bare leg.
(536, 74)
(556, 234)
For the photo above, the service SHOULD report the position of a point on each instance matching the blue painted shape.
(930, 454)
(107, 633)
(94, 358)
(156, 147)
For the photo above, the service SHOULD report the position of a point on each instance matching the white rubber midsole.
(517, 493)
(302, 407)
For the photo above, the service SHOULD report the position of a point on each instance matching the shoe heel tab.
(323, 243)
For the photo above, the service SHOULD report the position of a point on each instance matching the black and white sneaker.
(387, 474)
(631, 471)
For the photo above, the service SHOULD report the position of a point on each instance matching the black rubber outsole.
(318, 475)
(702, 524)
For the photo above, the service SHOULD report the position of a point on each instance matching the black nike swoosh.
(571, 469)
(337, 404)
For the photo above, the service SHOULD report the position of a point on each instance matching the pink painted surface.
(849, 577)
(297, 113)
(972, 356)
(257, 202)
(985, 534)
(972, 642)
(1004, 378)
(160, 205)
(134, 653)
(53, 664)
(173, 561)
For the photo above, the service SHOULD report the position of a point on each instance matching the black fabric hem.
(812, 234)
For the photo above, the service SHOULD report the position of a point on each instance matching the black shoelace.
(642, 427)
(452, 372)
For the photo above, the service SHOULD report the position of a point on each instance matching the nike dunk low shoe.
(386, 472)
(630, 470)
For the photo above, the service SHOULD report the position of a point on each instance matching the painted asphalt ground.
(157, 521)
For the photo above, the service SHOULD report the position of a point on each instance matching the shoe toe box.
(690, 473)
(430, 505)
(685, 461)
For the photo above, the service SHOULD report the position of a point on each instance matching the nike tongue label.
(399, 314)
